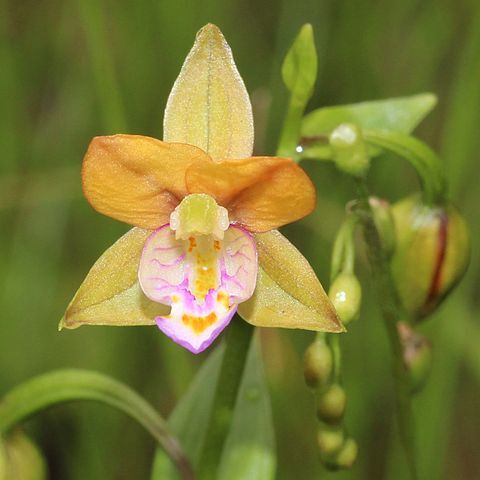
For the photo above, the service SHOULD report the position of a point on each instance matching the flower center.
(198, 214)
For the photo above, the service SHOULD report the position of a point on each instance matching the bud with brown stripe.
(431, 255)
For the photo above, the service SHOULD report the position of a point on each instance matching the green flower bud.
(20, 459)
(317, 364)
(432, 253)
(383, 218)
(331, 404)
(417, 356)
(330, 440)
(346, 296)
(350, 151)
(346, 457)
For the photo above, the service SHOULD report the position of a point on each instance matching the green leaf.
(62, 386)
(299, 69)
(288, 293)
(190, 418)
(249, 452)
(110, 294)
(209, 105)
(398, 114)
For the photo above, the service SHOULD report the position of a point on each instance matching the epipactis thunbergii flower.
(204, 212)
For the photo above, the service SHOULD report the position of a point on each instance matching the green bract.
(299, 69)
(395, 114)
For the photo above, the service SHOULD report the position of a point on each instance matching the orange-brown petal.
(135, 179)
(261, 193)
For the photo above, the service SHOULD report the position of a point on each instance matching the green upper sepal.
(20, 459)
(431, 255)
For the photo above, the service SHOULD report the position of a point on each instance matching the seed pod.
(330, 440)
(383, 218)
(417, 356)
(317, 364)
(331, 404)
(346, 296)
(20, 459)
(431, 255)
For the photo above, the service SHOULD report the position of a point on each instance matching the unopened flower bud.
(417, 355)
(346, 296)
(330, 440)
(346, 457)
(331, 404)
(383, 218)
(431, 255)
(317, 364)
(20, 459)
(350, 151)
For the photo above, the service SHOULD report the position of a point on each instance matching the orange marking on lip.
(192, 243)
(199, 324)
(223, 298)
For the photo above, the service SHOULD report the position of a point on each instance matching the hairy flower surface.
(205, 213)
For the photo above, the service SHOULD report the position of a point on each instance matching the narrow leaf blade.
(249, 452)
(190, 418)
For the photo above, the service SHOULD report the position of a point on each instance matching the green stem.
(238, 340)
(334, 343)
(290, 135)
(421, 157)
(343, 255)
(44, 391)
(390, 308)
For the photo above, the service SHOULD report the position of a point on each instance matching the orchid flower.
(204, 212)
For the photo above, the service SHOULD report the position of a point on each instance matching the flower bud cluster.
(337, 450)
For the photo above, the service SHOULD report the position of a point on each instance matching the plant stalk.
(390, 308)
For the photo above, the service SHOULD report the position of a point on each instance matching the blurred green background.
(77, 68)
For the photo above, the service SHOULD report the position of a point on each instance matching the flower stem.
(44, 391)
(390, 307)
(238, 339)
(421, 157)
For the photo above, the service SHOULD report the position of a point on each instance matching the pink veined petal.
(163, 271)
(239, 264)
(202, 279)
